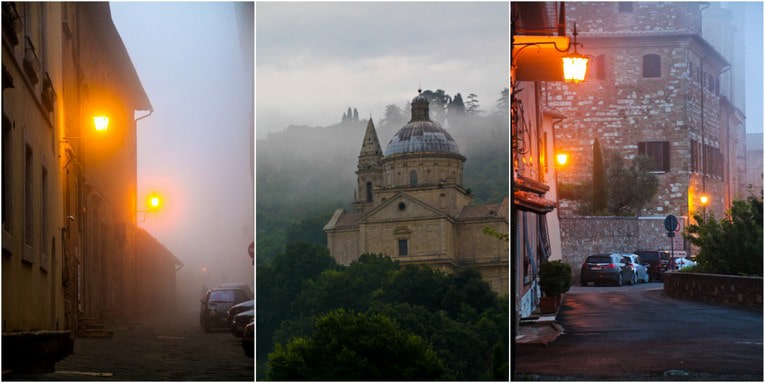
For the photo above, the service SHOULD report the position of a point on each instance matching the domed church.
(410, 204)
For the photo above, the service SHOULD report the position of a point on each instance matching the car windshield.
(649, 256)
(222, 296)
(598, 259)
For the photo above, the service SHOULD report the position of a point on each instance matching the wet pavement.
(639, 333)
(154, 351)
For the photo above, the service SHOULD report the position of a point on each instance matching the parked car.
(639, 267)
(657, 261)
(248, 339)
(236, 309)
(216, 303)
(606, 267)
(240, 321)
(679, 263)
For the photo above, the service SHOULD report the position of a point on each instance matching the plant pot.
(549, 305)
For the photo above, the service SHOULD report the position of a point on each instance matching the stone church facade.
(411, 205)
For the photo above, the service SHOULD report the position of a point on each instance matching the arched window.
(651, 65)
(413, 178)
(369, 192)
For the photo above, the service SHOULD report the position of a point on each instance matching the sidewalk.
(541, 329)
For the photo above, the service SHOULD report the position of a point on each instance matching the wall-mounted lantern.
(574, 64)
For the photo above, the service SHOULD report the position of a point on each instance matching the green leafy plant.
(732, 245)
(554, 278)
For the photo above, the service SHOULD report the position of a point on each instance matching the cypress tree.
(599, 197)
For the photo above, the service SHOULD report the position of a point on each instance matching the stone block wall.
(583, 235)
(744, 292)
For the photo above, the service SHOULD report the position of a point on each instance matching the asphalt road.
(638, 333)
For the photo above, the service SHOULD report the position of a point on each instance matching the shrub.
(554, 278)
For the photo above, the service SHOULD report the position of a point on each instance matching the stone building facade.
(410, 204)
(653, 88)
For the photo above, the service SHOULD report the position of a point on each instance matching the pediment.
(402, 207)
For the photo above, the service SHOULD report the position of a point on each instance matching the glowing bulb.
(561, 158)
(574, 67)
(704, 200)
(101, 123)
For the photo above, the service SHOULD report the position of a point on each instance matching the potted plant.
(554, 280)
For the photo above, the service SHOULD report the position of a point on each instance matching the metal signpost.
(670, 223)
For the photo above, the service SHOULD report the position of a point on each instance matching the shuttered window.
(658, 151)
(651, 65)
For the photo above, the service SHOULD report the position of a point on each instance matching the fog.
(313, 60)
(195, 61)
(747, 61)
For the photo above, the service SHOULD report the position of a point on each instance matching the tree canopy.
(450, 312)
(359, 347)
(732, 245)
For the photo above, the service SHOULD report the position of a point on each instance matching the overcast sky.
(194, 149)
(314, 60)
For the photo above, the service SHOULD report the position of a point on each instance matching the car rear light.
(610, 266)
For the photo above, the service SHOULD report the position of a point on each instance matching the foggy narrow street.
(155, 351)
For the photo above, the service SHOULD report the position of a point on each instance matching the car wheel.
(585, 283)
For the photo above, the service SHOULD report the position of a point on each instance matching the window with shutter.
(658, 151)
(651, 65)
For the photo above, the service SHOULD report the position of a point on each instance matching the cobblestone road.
(154, 351)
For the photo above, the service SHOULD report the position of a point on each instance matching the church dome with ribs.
(421, 135)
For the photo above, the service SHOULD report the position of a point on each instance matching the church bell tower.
(369, 171)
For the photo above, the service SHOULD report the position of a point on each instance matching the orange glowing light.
(101, 123)
(704, 200)
(561, 158)
(154, 201)
(574, 67)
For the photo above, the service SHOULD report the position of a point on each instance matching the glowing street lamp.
(101, 123)
(154, 202)
(575, 64)
(704, 200)
(561, 159)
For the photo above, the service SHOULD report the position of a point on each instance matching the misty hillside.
(305, 173)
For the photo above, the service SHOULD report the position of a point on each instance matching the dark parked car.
(217, 302)
(657, 261)
(607, 267)
(248, 339)
(236, 309)
(241, 320)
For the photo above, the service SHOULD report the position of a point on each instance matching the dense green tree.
(280, 282)
(310, 229)
(352, 287)
(450, 338)
(732, 245)
(358, 347)
(630, 186)
(599, 193)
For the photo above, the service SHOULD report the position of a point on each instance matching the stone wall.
(583, 235)
(744, 292)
